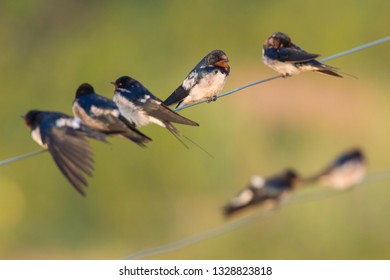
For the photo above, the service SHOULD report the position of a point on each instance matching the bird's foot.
(212, 99)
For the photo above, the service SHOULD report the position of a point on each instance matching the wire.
(362, 47)
(3, 162)
(358, 48)
(310, 197)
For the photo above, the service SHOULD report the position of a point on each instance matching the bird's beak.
(23, 117)
(113, 83)
(223, 62)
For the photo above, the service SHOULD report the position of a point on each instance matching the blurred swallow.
(66, 139)
(260, 190)
(288, 59)
(140, 107)
(205, 81)
(344, 172)
(102, 114)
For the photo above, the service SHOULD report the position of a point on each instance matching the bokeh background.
(140, 198)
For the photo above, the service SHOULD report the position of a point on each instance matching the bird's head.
(124, 82)
(217, 58)
(31, 117)
(84, 89)
(277, 40)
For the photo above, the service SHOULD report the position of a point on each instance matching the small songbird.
(102, 114)
(140, 107)
(260, 190)
(66, 139)
(205, 81)
(346, 171)
(288, 59)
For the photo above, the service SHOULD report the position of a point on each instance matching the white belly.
(132, 113)
(35, 134)
(283, 68)
(208, 87)
(346, 176)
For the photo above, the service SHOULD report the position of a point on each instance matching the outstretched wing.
(71, 152)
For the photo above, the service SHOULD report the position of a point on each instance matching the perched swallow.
(205, 81)
(66, 139)
(261, 190)
(345, 172)
(141, 107)
(102, 114)
(288, 59)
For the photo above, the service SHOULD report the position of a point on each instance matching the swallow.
(205, 81)
(140, 107)
(261, 190)
(66, 139)
(346, 171)
(101, 114)
(288, 59)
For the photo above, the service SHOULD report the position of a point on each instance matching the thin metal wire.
(227, 227)
(3, 162)
(362, 47)
(377, 42)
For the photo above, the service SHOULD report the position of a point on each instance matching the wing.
(105, 116)
(159, 110)
(123, 127)
(289, 55)
(178, 95)
(71, 152)
(184, 89)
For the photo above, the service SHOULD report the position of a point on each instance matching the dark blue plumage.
(66, 139)
(286, 58)
(102, 114)
(205, 81)
(139, 106)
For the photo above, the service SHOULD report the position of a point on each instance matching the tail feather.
(178, 134)
(137, 137)
(175, 132)
(330, 72)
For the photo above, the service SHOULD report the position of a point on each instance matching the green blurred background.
(140, 198)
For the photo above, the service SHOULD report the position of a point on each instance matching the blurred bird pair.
(133, 106)
(345, 172)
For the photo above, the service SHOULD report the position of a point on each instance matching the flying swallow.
(288, 59)
(346, 171)
(260, 190)
(205, 81)
(102, 114)
(140, 107)
(66, 139)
